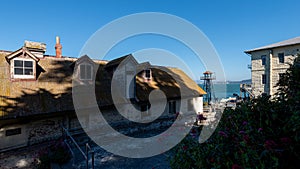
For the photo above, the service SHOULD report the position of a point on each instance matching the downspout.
(271, 72)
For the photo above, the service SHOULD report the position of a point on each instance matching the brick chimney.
(58, 47)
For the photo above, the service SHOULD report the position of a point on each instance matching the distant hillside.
(247, 81)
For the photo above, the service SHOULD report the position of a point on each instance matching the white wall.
(18, 140)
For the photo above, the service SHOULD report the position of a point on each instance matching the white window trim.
(86, 64)
(23, 76)
(147, 78)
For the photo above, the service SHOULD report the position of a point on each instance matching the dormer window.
(22, 64)
(23, 68)
(85, 71)
(147, 74)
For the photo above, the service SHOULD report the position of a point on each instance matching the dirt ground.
(24, 159)
(20, 158)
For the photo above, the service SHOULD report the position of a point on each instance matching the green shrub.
(260, 133)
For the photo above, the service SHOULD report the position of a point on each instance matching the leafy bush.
(260, 133)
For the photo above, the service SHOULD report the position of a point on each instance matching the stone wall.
(271, 69)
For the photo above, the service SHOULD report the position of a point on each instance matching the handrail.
(88, 149)
(75, 143)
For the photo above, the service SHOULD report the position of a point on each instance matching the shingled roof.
(117, 61)
(52, 90)
(293, 41)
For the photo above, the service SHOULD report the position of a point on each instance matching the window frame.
(23, 76)
(80, 75)
(281, 57)
(13, 132)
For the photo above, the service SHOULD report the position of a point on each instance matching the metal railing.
(88, 149)
(247, 88)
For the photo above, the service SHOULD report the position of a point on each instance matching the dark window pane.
(281, 57)
(264, 79)
(281, 76)
(172, 107)
(28, 71)
(28, 64)
(18, 63)
(18, 71)
(82, 72)
(143, 108)
(12, 132)
(88, 72)
(148, 73)
(263, 60)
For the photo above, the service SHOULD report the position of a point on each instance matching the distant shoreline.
(247, 81)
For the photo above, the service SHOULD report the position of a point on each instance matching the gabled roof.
(116, 62)
(19, 51)
(293, 41)
(172, 81)
(52, 90)
(143, 66)
(82, 59)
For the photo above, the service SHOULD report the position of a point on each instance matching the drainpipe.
(271, 72)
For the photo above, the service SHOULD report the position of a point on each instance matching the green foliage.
(289, 87)
(260, 133)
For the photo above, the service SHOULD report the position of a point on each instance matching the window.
(145, 110)
(281, 76)
(190, 105)
(263, 79)
(263, 60)
(85, 72)
(23, 68)
(12, 132)
(148, 73)
(172, 107)
(281, 57)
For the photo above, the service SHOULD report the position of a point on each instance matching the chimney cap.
(57, 40)
(58, 48)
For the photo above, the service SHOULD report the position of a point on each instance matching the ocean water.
(225, 90)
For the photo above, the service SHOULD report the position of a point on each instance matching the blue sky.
(232, 26)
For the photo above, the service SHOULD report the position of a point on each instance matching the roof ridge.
(287, 42)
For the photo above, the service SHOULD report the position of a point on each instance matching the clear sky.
(232, 26)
